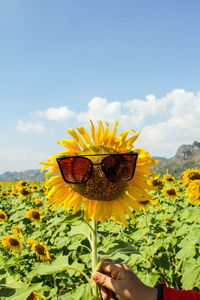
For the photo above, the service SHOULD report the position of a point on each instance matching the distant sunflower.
(12, 243)
(146, 201)
(3, 216)
(23, 188)
(168, 178)
(193, 192)
(35, 296)
(24, 192)
(16, 229)
(34, 215)
(190, 175)
(156, 181)
(101, 198)
(170, 192)
(40, 250)
(37, 201)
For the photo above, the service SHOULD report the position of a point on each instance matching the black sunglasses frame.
(134, 154)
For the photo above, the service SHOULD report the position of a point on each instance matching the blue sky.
(64, 62)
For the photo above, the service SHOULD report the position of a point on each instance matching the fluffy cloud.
(28, 126)
(100, 109)
(166, 122)
(61, 113)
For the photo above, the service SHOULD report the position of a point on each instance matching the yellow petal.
(106, 134)
(100, 133)
(76, 137)
(113, 135)
(132, 139)
(83, 132)
(70, 144)
(94, 134)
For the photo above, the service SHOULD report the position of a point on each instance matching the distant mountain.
(30, 175)
(187, 156)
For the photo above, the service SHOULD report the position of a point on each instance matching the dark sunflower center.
(31, 297)
(36, 215)
(2, 216)
(194, 176)
(98, 187)
(171, 192)
(145, 202)
(169, 179)
(157, 182)
(14, 242)
(40, 249)
(24, 192)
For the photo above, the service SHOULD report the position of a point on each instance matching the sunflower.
(156, 181)
(16, 229)
(168, 178)
(34, 215)
(40, 250)
(35, 296)
(3, 216)
(23, 189)
(146, 201)
(190, 175)
(37, 201)
(170, 192)
(193, 192)
(12, 243)
(101, 199)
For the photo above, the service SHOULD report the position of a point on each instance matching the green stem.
(94, 257)
(83, 273)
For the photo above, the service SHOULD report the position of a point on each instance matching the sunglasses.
(116, 167)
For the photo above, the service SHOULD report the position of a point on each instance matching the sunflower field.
(45, 253)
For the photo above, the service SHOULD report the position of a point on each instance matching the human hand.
(119, 280)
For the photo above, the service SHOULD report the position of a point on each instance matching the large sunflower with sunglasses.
(103, 173)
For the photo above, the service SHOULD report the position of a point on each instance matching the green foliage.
(162, 246)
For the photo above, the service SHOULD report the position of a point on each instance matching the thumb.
(104, 280)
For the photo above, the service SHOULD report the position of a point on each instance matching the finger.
(111, 269)
(104, 292)
(104, 280)
(108, 267)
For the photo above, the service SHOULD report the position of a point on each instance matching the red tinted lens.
(119, 167)
(76, 169)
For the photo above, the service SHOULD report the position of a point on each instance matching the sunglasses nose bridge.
(100, 172)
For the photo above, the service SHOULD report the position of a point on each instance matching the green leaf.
(191, 272)
(162, 262)
(21, 293)
(149, 279)
(58, 265)
(83, 292)
(182, 230)
(188, 250)
(119, 247)
(80, 229)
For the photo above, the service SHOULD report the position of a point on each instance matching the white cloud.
(100, 109)
(28, 126)
(61, 113)
(166, 122)
(143, 108)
